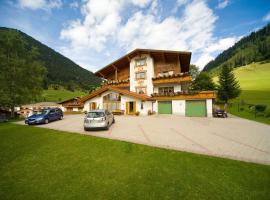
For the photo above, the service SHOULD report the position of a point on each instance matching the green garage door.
(196, 109)
(165, 107)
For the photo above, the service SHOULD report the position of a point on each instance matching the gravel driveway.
(234, 137)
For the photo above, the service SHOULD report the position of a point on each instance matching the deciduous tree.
(203, 82)
(21, 75)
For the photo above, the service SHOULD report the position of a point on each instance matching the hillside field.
(254, 80)
(60, 95)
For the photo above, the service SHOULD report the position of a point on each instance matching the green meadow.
(60, 94)
(39, 163)
(254, 81)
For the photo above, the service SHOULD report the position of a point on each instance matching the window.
(141, 62)
(141, 90)
(112, 102)
(140, 75)
(165, 90)
(52, 111)
(95, 114)
(112, 97)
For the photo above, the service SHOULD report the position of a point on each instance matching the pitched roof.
(124, 60)
(115, 89)
(41, 104)
(74, 98)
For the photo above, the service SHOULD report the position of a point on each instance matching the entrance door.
(131, 107)
(93, 105)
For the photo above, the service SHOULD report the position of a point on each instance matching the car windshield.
(95, 114)
(41, 112)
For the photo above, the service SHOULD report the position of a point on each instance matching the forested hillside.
(60, 70)
(252, 48)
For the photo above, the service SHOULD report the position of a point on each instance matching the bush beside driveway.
(233, 137)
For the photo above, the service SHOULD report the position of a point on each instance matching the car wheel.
(46, 121)
(61, 117)
(113, 121)
(107, 127)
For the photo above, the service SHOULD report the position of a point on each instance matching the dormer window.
(140, 62)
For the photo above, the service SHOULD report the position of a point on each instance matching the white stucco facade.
(179, 107)
(209, 107)
(148, 68)
(141, 106)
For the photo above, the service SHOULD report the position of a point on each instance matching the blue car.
(45, 116)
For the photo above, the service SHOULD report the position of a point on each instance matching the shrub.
(137, 113)
(251, 106)
(260, 108)
(267, 113)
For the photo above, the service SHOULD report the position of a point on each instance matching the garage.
(164, 107)
(196, 108)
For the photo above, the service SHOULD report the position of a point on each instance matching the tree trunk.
(12, 114)
(226, 106)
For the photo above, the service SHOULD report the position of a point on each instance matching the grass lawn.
(38, 163)
(254, 80)
(60, 95)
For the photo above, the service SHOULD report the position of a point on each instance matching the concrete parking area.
(233, 137)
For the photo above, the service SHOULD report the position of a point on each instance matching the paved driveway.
(234, 137)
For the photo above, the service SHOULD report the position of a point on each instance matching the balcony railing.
(185, 95)
(121, 83)
(174, 78)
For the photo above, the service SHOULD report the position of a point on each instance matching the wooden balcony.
(185, 95)
(174, 78)
(117, 83)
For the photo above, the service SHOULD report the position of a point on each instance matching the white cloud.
(170, 33)
(223, 4)
(104, 29)
(222, 44)
(211, 51)
(203, 60)
(267, 17)
(40, 4)
(141, 3)
(99, 23)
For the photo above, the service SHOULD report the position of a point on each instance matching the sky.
(94, 33)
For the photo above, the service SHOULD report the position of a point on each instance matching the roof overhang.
(184, 57)
(115, 89)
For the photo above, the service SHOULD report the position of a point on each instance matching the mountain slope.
(61, 70)
(252, 48)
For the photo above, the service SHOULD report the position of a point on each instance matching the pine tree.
(228, 87)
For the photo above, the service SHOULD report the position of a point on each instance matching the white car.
(98, 119)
